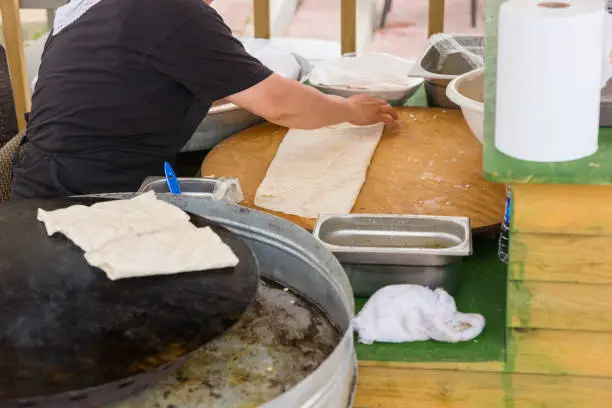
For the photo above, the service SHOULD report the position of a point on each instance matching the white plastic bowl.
(467, 91)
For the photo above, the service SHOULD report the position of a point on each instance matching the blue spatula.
(173, 184)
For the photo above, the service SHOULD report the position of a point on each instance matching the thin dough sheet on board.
(142, 236)
(319, 171)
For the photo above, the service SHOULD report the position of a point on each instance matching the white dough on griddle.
(181, 249)
(91, 227)
(142, 236)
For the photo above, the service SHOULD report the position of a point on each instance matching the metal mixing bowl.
(393, 97)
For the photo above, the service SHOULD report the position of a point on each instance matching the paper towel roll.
(549, 75)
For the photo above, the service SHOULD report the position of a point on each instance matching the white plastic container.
(467, 91)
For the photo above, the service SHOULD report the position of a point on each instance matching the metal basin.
(397, 97)
(438, 74)
(291, 256)
(381, 250)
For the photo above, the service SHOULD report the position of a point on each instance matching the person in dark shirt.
(123, 85)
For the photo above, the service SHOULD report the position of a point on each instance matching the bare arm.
(291, 104)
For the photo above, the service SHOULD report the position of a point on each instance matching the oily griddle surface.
(65, 326)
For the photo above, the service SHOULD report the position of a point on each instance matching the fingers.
(389, 121)
(389, 115)
(377, 110)
(384, 107)
(388, 110)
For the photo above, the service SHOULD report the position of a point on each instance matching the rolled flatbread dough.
(319, 171)
(181, 249)
(91, 227)
(142, 236)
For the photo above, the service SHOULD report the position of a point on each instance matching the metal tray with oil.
(381, 250)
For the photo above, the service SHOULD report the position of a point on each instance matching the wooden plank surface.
(11, 25)
(432, 165)
(562, 209)
(541, 351)
(380, 387)
(530, 351)
(485, 366)
(561, 258)
(566, 306)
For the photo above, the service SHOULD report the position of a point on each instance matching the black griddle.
(69, 336)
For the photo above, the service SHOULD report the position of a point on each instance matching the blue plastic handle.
(173, 184)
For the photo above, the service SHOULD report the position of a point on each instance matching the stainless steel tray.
(367, 279)
(428, 65)
(189, 186)
(436, 80)
(381, 250)
(395, 239)
(225, 189)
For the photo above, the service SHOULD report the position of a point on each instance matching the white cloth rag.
(279, 61)
(369, 72)
(408, 313)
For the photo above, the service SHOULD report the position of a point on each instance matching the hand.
(367, 110)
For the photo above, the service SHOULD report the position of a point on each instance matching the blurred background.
(394, 26)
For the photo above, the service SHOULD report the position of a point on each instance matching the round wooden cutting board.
(431, 166)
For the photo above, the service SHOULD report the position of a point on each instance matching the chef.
(123, 85)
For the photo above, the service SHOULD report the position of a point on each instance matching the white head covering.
(64, 16)
(69, 13)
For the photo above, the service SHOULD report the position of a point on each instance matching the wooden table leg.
(261, 18)
(348, 15)
(16, 61)
(436, 17)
